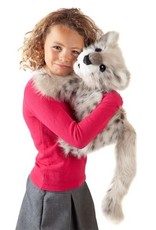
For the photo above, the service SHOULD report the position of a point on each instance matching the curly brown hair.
(33, 45)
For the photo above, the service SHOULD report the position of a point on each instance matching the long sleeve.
(56, 118)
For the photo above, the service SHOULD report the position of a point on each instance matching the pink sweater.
(48, 119)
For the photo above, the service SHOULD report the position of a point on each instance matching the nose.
(86, 60)
(65, 56)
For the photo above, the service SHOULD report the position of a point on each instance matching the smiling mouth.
(61, 65)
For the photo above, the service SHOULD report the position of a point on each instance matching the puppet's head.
(101, 65)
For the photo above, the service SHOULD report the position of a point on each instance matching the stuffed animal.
(99, 69)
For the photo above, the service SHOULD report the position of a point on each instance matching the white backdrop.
(135, 21)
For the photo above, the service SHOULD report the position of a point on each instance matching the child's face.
(61, 49)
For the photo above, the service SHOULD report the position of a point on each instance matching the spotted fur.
(99, 69)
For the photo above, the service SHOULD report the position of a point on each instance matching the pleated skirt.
(44, 210)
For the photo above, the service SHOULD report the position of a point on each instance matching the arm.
(53, 115)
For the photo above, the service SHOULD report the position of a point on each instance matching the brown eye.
(57, 48)
(75, 53)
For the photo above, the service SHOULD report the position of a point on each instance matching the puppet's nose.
(86, 60)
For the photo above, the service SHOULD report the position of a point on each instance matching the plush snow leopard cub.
(99, 68)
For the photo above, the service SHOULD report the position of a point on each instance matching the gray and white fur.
(99, 69)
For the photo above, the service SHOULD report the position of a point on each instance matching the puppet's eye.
(98, 49)
(102, 68)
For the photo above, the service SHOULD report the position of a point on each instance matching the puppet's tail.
(124, 173)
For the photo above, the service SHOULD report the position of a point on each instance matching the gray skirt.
(43, 210)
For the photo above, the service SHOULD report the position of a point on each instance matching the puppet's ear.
(110, 38)
(122, 78)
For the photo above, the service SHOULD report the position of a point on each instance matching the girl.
(57, 196)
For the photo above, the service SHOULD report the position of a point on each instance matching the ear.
(110, 38)
(122, 78)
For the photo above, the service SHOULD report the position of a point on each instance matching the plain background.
(135, 21)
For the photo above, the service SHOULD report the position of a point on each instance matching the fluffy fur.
(99, 69)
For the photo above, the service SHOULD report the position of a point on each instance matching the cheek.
(73, 60)
(49, 56)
